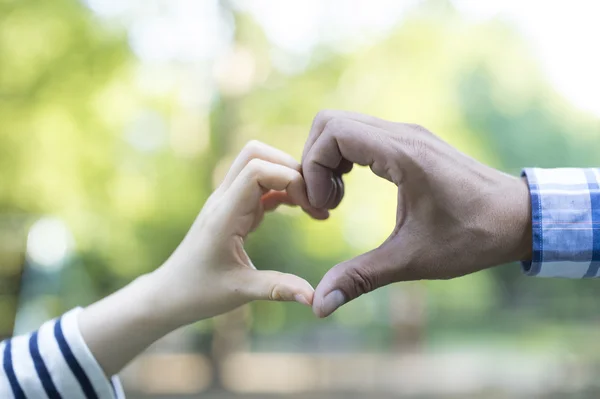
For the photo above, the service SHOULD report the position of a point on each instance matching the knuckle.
(254, 166)
(379, 169)
(253, 148)
(364, 279)
(415, 147)
(296, 176)
(275, 290)
(333, 126)
(416, 128)
(275, 294)
(324, 115)
(420, 149)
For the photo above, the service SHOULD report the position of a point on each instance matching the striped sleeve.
(565, 206)
(54, 362)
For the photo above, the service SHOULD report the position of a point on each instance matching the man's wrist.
(526, 249)
(508, 221)
(520, 208)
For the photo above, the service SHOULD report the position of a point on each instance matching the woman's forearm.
(120, 326)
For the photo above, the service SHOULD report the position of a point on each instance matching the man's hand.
(455, 215)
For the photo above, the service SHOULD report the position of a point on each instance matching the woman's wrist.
(146, 305)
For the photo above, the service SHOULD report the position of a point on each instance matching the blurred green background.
(117, 119)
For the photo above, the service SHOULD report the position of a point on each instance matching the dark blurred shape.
(13, 241)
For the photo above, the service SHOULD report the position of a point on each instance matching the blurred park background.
(117, 119)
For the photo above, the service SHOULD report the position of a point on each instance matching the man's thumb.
(349, 280)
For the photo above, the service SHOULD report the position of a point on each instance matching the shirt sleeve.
(54, 362)
(565, 206)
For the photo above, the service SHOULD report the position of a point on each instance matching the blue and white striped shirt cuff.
(54, 362)
(565, 205)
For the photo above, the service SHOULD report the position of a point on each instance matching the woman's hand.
(210, 272)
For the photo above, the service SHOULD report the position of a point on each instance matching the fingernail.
(331, 302)
(332, 194)
(301, 299)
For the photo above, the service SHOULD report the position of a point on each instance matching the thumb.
(349, 280)
(275, 286)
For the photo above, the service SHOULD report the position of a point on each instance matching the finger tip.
(317, 306)
(322, 214)
(320, 197)
(315, 213)
(317, 311)
(308, 297)
(328, 303)
(316, 203)
(303, 291)
(302, 299)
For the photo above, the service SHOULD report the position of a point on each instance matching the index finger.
(323, 117)
(258, 150)
(258, 178)
(342, 139)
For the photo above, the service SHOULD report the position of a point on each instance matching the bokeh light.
(49, 243)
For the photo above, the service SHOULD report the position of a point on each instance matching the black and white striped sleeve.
(54, 362)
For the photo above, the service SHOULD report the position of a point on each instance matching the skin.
(455, 215)
(209, 273)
